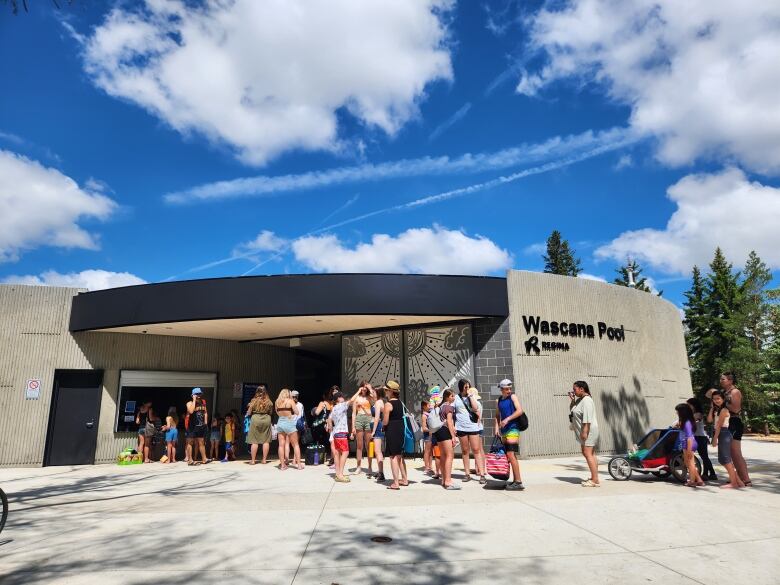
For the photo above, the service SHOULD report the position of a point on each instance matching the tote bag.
(496, 462)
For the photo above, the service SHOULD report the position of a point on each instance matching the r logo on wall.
(532, 345)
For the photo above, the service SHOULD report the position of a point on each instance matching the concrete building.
(75, 366)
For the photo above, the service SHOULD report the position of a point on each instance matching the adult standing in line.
(298, 413)
(586, 428)
(702, 440)
(140, 419)
(287, 432)
(393, 422)
(320, 414)
(446, 438)
(199, 421)
(259, 409)
(736, 426)
(468, 425)
(361, 425)
(507, 427)
(377, 431)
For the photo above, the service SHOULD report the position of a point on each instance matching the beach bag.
(409, 440)
(496, 461)
(300, 424)
(316, 455)
(306, 437)
(247, 422)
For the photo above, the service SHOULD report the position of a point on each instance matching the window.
(164, 390)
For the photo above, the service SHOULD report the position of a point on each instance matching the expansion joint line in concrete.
(313, 530)
(613, 543)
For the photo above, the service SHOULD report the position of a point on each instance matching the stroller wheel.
(679, 471)
(619, 468)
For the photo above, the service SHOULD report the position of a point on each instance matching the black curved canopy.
(288, 296)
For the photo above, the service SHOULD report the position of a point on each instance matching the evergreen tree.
(560, 257)
(769, 384)
(640, 282)
(695, 328)
(721, 304)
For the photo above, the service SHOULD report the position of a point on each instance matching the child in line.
(687, 424)
(722, 437)
(425, 408)
(214, 437)
(230, 437)
(171, 434)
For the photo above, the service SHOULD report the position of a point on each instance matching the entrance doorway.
(73, 420)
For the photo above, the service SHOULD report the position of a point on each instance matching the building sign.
(536, 326)
(32, 389)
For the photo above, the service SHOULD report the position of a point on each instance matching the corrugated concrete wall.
(635, 383)
(35, 341)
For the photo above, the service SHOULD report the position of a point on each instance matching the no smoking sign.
(32, 389)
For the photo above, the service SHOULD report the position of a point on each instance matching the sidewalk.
(232, 522)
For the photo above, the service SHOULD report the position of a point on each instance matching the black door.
(73, 423)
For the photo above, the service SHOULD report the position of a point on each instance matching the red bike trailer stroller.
(659, 453)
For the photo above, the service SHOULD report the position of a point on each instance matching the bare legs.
(445, 462)
(512, 457)
(398, 467)
(171, 452)
(694, 478)
(201, 448)
(292, 439)
(593, 465)
(427, 456)
(380, 457)
(282, 437)
(472, 444)
(739, 461)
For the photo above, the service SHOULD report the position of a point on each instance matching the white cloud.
(625, 161)
(587, 276)
(554, 148)
(535, 249)
(89, 279)
(721, 209)
(702, 76)
(266, 77)
(423, 250)
(39, 206)
(266, 241)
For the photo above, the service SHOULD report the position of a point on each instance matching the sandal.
(482, 479)
(391, 487)
(466, 478)
(590, 483)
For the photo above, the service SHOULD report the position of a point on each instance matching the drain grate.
(381, 539)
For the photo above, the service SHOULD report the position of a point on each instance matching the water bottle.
(316, 457)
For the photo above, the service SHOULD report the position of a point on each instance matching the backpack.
(434, 420)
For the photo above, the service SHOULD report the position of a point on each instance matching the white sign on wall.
(32, 389)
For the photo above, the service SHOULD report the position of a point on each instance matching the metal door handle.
(90, 424)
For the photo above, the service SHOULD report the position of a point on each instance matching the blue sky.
(145, 143)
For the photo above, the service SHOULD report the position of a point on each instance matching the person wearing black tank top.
(393, 424)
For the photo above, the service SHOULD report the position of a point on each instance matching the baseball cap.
(505, 383)
(197, 391)
(294, 393)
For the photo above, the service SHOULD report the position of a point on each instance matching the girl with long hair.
(393, 422)
(361, 425)
(722, 437)
(377, 431)
(687, 424)
(447, 439)
(582, 414)
(287, 431)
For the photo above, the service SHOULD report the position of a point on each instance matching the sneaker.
(452, 487)
(380, 477)
(331, 467)
(223, 460)
(515, 486)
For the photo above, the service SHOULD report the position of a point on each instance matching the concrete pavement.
(236, 523)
